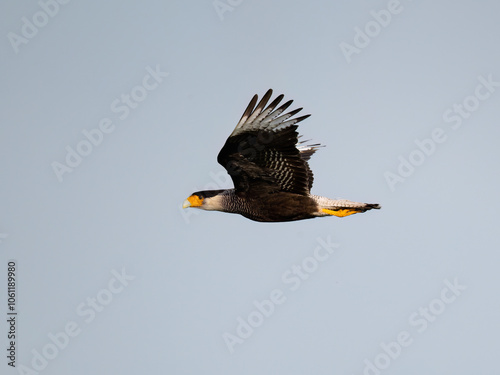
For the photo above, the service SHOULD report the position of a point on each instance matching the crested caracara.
(268, 166)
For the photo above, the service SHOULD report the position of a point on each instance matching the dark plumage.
(271, 176)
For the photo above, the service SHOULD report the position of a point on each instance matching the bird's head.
(194, 200)
(205, 200)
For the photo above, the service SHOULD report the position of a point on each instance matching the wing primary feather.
(277, 112)
(260, 107)
(276, 101)
(291, 122)
(284, 117)
(302, 118)
(269, 108)
(248, 111)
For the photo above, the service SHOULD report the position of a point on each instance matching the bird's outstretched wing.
(261, 155)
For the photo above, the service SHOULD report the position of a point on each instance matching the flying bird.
(270, 171)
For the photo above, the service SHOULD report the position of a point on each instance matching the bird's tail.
(342, 207)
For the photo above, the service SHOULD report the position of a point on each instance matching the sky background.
(193, 276)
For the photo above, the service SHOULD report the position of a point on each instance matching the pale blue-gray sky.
(113, 113)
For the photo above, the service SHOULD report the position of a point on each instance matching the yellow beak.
(193, 201)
